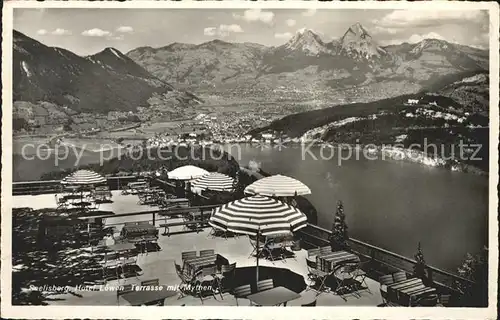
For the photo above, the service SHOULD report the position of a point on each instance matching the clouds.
(428, 18)
(100, 33)
(96, 32)
(290, 22)
(285, 35)
(416, 38)
(419, 37)
(56, 32)
(384, 30)
(125, 29)
(222, 30)
(210, 31)
(254, 15)
(61, 32)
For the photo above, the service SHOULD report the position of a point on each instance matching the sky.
(87, 31)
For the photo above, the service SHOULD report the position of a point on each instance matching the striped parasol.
(278, 186)
(187, 173)
(257, 215)
(214, 181)
(83, 178)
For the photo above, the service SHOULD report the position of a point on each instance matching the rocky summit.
(106, 81)
(308, 62)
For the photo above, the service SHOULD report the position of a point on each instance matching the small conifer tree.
(339, 236)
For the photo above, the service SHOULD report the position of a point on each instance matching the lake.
(390, 204)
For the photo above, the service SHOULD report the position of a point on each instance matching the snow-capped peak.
(430, 44)
(307, 41)
(115, 53)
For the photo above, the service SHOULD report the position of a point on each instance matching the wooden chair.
(399, 276)
(110, 274)
(122, 290)
(343, 276)
(129, 267)
(207, 253)
(316, 276)
(185, 280)
(312, 253)
(206, 275)
(256, 251)
(150, 283)
(444, 300)
(225, 278)
(242, 292)
(215, 232)
(384, 282)
(228, 268)
(325, 250)
(360, 275)
(430, 300)
(265, 285)
(188, 255)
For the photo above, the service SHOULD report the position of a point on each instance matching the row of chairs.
(349, 278)
(187, 255)
(134, 187)
(427, 300)
(244, 291)
(270, 249)
(64, 202)
(219, 282)
(142, 233)
(321, 251)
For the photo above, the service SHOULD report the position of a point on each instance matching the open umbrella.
(258, 215)
(278, 186)
(187, 173)
(214, 181)
(82, 179)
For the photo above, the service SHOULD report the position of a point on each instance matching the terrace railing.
(54, 186)
(316, 236)
(160, 217)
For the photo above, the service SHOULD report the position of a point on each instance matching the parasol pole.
(258, 253)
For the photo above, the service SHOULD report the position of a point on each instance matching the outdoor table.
(329, 261)
(407, 295)
(71, 197)
(81, 204)
(138, 298)
(394, 288)
(273, 297)
(196, 215)
(194, 265)
(119, 247)
(175, 201)
(138, 230)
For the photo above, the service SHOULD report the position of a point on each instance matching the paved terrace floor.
(161, 264)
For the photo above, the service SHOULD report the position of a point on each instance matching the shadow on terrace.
(147, 245)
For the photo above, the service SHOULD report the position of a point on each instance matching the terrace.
(177, 235)
(160, 265)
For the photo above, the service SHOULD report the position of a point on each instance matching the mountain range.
(62, 86)
(308, 62)
(105, 81)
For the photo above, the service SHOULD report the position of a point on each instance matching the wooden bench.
(186, 224)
